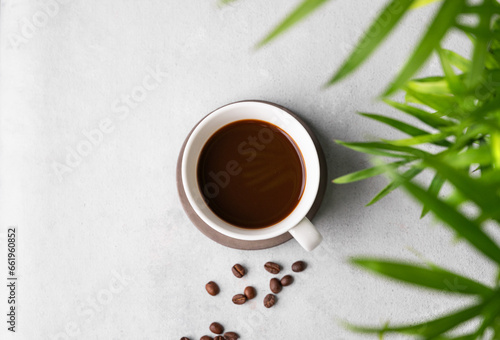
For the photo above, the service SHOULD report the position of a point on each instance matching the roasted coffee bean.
(299, 266)
(286, 280)
(206, 337)
(184, 338)
(239, 299)
(272, 267)
(238, 270)
(231, 336)
(275, 285)
(250, 292)
(269, 300)
(216, 328)
(212, 288)
(219, 337)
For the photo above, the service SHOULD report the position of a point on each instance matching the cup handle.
(306, 234)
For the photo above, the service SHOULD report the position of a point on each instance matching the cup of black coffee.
(251, 171)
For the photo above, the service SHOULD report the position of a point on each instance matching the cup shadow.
(338, 198)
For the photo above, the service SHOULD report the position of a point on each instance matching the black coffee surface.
(251, 174)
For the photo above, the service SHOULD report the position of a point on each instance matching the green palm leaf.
(406, 128)
(378, 148)
(456, 60)
(436, 184)
(480, 46)
(433, 85)
(481, 155)
(487, 108)
(378, 31)
(478, 192)
(477, 67)
(301, 12)
(407, 175)
(429, 329)
(420, 3)
(433, 278)
(468, 229)
(490, 312)
(445, 104)
(454, 82)
(428, 118)
(367, 173)
(397, 124)
(443, 21)
(495, 149)
(434, 138)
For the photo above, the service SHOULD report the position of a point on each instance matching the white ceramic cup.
(296, 222)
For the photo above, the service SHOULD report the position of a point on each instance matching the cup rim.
(312, 167)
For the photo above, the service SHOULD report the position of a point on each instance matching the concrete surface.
(105, 250)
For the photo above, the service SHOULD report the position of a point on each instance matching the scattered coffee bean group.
(218, 329)
(276, 285)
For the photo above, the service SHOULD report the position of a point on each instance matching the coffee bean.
(272, 267)
(231, 336)
(219, 337)
(238, 270)
(206, 337)
(216, 328)
(184, 338)
(250, 292)
(269, 300)
(299, 266)
(275, 285)
(239, 299)
(286, 280)
(212, 288)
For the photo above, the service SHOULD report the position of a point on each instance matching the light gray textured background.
(106, 251)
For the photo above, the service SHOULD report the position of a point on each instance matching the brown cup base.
(242, 244)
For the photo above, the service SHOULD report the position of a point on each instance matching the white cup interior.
(241, 111)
